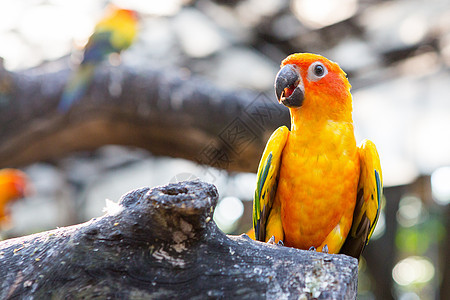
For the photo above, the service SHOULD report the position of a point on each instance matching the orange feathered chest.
(318, 182)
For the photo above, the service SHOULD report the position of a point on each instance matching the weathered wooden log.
(162, 243)
(165, 111)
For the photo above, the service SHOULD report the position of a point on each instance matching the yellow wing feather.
(367, 208)
(267, 179)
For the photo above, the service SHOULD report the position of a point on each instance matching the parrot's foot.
(324, 249)
(271, 241)
(246, 236)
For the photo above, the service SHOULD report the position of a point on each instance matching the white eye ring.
(316, 71)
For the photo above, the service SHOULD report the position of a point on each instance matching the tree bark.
(167, 112)
(162, 243)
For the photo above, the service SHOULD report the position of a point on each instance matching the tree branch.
(163, 111)
(163, 243)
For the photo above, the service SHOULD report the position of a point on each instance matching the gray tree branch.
(163, 111)
(162, 243)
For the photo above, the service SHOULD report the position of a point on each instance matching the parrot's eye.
(319, 70)
(316, 71)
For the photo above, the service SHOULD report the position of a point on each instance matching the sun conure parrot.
(112, 34)
(13, 185)
(316, 188)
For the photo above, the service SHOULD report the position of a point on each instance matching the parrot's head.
(123, 23)
(128, 14)
(113, 11)
(13, 184)
(312, 83)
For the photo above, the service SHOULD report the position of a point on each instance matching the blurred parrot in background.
(315, 188)
(13, 185)
(115, 32)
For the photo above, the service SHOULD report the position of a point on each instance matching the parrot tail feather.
(76, 87)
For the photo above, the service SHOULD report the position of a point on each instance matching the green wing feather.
(267, 180)
(368, 202)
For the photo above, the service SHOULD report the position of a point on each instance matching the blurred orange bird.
(13, 184)
(115, 32)
(315, 187)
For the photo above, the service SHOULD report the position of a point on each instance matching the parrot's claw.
(246, 236)
(312, 248)
(271, 241)
(325, 249)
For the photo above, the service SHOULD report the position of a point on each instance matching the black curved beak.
(289, 87)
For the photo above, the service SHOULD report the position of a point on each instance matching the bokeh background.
(397, 56)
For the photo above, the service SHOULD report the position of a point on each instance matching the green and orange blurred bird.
(315, 186)
(115, 32)
(13, 185)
